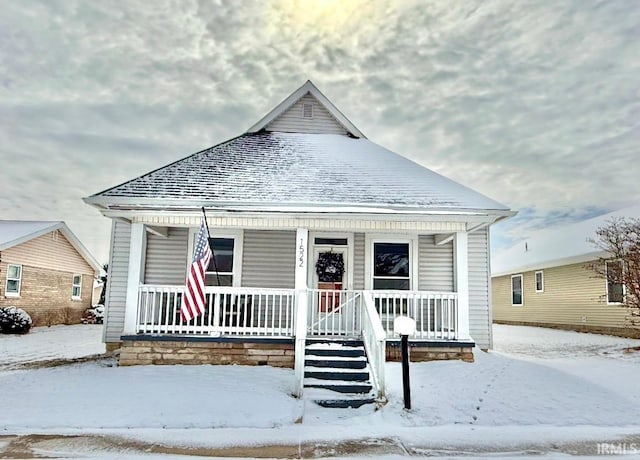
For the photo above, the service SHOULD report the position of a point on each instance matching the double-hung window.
(539, 281)
(516, 290)
(615, 288)
(391, 266)
(14, 280)
(76, 288)
(220, 270)
(225, 267)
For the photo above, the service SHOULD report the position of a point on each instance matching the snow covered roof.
(556, 246)
(14, 232)
(274, 169)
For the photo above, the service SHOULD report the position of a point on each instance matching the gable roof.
(310, 88)
(15, 232)
(563, 245)
(275, 170)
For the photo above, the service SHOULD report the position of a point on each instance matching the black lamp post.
(405, 326)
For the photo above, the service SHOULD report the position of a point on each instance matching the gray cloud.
(535, 104)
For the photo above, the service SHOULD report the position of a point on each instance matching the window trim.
(535, 280)
(73, 285)
(371, 239)
(238, 244)
(19, 279)
(521, 304)
(606, 281)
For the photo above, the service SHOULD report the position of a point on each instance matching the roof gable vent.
(307, 110)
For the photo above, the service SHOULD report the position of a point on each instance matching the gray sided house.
(319, 236)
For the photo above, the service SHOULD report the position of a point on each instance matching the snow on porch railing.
(229, 311)
(436, 313)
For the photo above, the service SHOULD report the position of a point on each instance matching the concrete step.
(336, 363)
(358, 376)
(343, 387)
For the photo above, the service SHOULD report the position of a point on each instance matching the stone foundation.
(429, 351)
(136, 350)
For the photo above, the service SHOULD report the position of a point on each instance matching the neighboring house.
(302, 192)
(45, 270)
(546, 281)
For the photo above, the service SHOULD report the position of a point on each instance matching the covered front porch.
(384, 277)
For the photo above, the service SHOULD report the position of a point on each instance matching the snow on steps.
(337, 374)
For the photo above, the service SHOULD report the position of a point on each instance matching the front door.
(329, 276)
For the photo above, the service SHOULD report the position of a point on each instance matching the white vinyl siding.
(269, 259)
(294, 121)
(479, 284)
(166, 257)
(358, 260)
(116, 294)
(435, 265)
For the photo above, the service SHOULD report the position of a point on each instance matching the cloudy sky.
(534, 103)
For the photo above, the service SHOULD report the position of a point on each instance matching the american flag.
(193, 301)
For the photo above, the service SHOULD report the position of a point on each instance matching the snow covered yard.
(51, 343)
(541, 387)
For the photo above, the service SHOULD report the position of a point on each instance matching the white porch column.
(301, 285)
(136, 259)
(461, 248)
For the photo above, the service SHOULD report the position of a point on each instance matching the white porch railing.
(233, 311)
(266, 312)
(334, 313)
(374, 338)
(435, 313)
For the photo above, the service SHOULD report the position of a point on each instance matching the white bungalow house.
(317, 233)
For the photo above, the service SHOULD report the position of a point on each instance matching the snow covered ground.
(51, 343)
(541, 391)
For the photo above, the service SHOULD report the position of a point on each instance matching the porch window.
(220, 270)
(14, 280)
(615, 288)
(539, 281)
(516, 290)
(391, 269)
(76, 289)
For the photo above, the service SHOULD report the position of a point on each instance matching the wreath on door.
(330, 267)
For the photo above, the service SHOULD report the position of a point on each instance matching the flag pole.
(213, 255)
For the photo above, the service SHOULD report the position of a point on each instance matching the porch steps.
(337, 373)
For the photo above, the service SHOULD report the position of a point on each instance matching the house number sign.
(301, 251)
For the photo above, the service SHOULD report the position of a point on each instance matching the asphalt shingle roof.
(275, 168)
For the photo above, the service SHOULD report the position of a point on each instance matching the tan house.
(321, 238)
(546, 281)
(45, 270)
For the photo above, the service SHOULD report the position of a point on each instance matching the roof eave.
(550, 263)
(30, 236)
